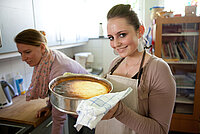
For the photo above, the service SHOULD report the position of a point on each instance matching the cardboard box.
(190, 10)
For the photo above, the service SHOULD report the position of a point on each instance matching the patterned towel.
(92, 110)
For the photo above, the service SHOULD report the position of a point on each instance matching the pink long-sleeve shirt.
(156, 98)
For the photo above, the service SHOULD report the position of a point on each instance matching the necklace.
(132, 66)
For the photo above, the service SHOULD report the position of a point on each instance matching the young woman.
(48, 64)
(148, 109)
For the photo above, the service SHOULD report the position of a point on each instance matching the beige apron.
(120, 83)
(113, 126)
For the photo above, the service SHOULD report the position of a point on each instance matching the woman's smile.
(121, 49)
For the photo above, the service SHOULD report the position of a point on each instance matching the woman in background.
(148, 108)
(48, 64)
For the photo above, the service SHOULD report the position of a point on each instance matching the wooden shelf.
(182, 62)
(185, 87)
(184, 100)
(181, 34)
(187, 44)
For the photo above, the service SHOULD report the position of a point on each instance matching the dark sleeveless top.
(136, 76)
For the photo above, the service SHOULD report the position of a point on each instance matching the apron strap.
(140, 69)
(115, 67)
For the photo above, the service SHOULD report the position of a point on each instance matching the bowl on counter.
(63, 100)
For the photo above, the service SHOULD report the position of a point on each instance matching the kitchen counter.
(22, 111)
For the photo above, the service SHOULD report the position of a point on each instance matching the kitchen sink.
(7, 127)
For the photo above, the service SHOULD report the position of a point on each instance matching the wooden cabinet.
(177, 41)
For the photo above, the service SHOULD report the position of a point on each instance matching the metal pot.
(69, 104)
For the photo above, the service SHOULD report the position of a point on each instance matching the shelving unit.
(177, 41)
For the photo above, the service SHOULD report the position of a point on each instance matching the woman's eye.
(28, 52)
(110, 38)
(122, 35)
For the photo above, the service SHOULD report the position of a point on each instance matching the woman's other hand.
(45, 111)
(111, 112)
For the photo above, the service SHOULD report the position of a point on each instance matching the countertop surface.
(23, 111)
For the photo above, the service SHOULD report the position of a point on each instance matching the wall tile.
(28, 77)
(17, 66)
(5, 66)
(27, 68)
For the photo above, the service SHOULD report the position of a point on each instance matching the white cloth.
(113, 126)
(92, 110)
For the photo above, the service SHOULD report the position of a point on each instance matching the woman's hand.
(111, 112)
(45, 111)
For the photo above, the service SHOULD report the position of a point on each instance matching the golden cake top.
(81, 89)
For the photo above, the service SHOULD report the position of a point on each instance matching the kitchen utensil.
(69, 104)
(5, 90)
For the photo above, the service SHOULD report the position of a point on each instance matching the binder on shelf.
(169, 54)
(162, 52)
(189, 56)
(165, 51)
(182, 52)
(176, 51)
(190, 51)
(169, 51)
(173, 51)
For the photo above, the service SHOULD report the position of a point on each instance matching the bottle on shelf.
(20, 84)
(101, 31)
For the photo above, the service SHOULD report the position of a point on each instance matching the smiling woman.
(148, 108)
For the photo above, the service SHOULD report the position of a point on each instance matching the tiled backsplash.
(103, 55)
(10, 67)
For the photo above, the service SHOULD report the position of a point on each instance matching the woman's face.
(30, 54)
(123, 37)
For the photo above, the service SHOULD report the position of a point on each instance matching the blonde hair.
(31, 37)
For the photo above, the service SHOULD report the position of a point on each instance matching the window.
(74, 20)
